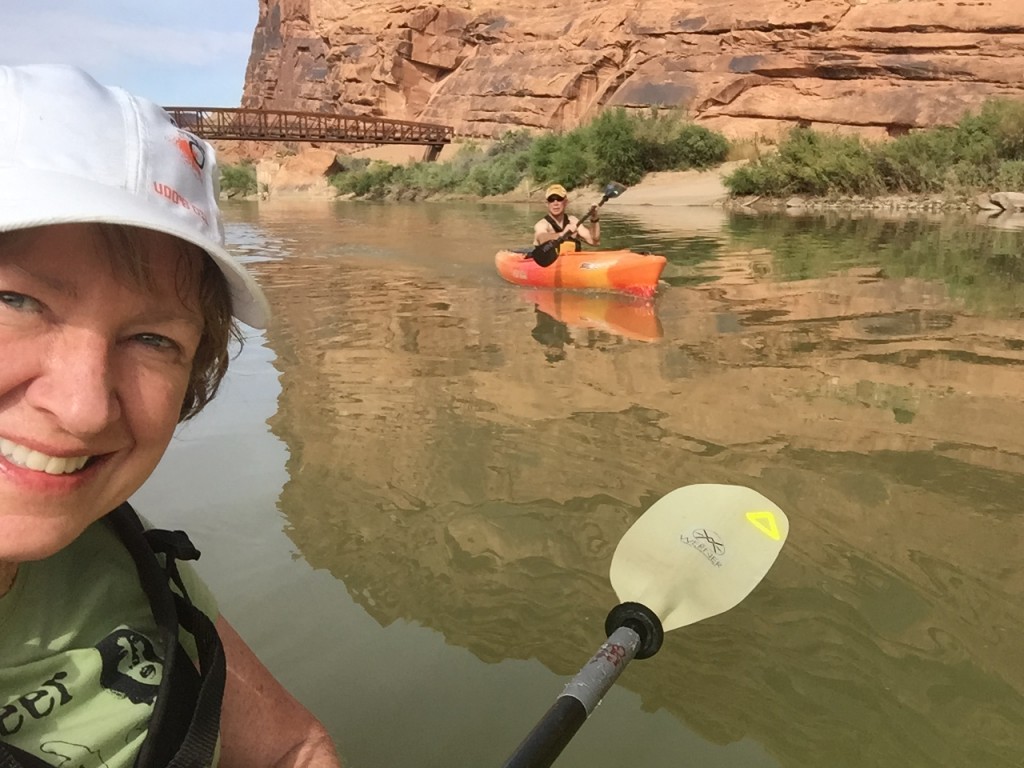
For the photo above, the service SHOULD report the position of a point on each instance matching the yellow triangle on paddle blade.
(765, 522)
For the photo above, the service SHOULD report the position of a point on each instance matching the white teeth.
(37, 461)
(40, 462)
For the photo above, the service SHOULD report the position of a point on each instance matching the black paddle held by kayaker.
(695, 553)
(545, 254)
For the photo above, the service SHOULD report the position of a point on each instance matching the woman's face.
(94, 371)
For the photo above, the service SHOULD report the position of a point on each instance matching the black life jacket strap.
(200, 742)
(185, 723)
(12, 757)
(555, 226)
(560, 228)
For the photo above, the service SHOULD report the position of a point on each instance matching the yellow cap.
(556, 189)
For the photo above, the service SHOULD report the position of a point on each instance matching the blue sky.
(175, 52)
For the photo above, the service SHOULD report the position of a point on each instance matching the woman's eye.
(19, 301)
(156, 340)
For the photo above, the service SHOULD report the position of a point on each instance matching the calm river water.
(410, 490)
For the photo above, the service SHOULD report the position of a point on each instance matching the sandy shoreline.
(675, 188)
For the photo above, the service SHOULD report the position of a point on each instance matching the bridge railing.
(283, 125)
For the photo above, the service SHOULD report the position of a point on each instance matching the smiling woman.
(117, 304)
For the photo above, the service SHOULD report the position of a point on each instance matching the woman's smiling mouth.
(21, 456)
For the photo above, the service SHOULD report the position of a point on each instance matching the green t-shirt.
(81, 656)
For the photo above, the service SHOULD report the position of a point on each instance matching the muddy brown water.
(410, 490)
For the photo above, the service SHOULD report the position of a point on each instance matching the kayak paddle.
(696, 553)
(546, 253)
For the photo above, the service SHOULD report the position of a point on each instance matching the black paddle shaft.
(549, 737)
(581, 696)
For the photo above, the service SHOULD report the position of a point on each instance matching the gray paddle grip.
(600, 673)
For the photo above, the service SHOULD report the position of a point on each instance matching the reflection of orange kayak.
(627, 316)
(635, 273)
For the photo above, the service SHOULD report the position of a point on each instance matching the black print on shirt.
(131, 667)
(35, 704)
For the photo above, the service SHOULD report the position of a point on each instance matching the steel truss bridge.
(282, 125)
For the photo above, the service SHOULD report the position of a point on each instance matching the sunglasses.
(555, 198)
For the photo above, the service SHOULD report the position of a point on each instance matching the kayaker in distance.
(558, 222)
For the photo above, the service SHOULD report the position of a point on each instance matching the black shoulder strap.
(186, 718)
(12, 757)
(559, 228)
(555, 225)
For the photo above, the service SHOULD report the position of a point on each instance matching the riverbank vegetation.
(984, 151)
(238, 180)
(616, 146)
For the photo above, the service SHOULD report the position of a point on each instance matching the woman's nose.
(78, 385)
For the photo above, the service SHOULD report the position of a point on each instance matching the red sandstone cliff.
(741, 66)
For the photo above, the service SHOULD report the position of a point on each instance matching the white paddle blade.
(698, 551)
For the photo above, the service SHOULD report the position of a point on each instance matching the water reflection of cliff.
(453, 476)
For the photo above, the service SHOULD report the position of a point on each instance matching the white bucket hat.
(75, 151)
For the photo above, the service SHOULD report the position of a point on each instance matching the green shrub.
(916, 162)
(697, 147)
(809, 163)
(543, 156)
(618, 155)
(492, 179)
(1010, 176)
(374, 181)
(1008, 117)
(616, 146)
(511, 143)
(766, 177)
(982, 151)
(238, 179)
(572, 165)
(499, 176)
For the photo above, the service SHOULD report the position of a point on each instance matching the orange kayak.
(635, 273)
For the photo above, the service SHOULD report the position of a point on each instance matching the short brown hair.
(219, 329)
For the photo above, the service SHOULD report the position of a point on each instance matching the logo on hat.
(192, 151)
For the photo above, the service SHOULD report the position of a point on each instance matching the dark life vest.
(185, 723)
(559, 228)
